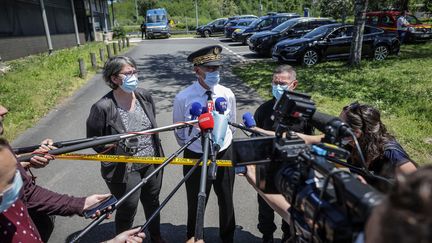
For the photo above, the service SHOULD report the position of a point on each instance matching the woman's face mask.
(129, 83)
(10, 195)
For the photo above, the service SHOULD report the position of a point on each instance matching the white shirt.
(402, 23)
(196, 93)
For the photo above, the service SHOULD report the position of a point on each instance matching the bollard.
(82, 68)
(119, 45)
(127, 41)
(109, 51)
(115, 48)
(102, 54)
(123, 43)
(93, 60)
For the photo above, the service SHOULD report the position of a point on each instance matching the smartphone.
(102, 206)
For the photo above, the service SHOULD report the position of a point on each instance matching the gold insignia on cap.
(207, 58)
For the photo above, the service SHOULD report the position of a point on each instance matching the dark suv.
(263, 42)
(264, 23)
(214, 27)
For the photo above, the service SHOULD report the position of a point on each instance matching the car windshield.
(412, 19)
(255, 22)
(232, 23)
(284, 26)
(156, 18)
(320, 31)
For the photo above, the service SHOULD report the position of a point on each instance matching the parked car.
(212, 28)
(232, 25)
(330, 42)
(263, 42)
(237, 17)
(387, 20)
(264, 23)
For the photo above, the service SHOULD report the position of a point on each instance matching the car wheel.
(381, 52)
(206, 33)
(245, 40)
(310, 58)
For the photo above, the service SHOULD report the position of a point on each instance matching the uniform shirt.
(16, 225)
(402, 23)
(196, 93)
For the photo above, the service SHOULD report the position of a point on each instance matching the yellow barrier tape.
(133, 159)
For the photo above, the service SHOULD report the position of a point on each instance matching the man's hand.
(93, 199)
(129, 236)
(42, 161)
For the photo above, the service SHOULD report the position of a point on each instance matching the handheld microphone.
(206, 122)
(221, 105)
(249, 120)
(195, 111)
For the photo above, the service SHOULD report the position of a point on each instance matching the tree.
(337, 9)
(359, 22)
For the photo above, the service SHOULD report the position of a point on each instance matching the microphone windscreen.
(249, 120)
(196, 109)
(205, 121)
(221, 105)
(204, 110)
(220, 128)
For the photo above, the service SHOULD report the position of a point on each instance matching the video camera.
(328, 204)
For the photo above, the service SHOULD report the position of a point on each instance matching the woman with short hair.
(127, 108)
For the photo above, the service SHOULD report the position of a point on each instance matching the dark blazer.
(104, 119)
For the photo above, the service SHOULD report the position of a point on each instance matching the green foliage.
(36, 84)
(337, 9)
(400, 87)
(119, 32)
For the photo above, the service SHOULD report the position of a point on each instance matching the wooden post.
(127, 41)
(109, 51)
(102, 54)
(82, 68)
(93, 60)
(115, 48)
(119, 45)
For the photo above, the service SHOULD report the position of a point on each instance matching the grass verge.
(400, 87)
(37, 83)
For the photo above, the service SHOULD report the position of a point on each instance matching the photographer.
(383, 154)
(284, 78)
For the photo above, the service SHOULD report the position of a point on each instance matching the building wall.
(16, 47)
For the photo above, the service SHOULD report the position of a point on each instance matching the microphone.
(221, 105)
(204, 110)
(195, 111)
(330, 125)
(249, 120)
(206, 122)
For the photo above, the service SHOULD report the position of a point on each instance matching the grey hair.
(113, 67)
(286, 69)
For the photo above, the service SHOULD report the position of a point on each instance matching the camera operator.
(383, 154)
(284, 78)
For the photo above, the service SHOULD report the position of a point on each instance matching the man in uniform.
(284, 78)
(206, 64)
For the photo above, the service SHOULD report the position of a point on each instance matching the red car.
(387, 20)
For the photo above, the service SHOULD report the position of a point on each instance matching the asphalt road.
(164, 71)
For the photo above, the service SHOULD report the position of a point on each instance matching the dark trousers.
(223, 187)
(148, 195)
(402, 36)
(266, 223)
(43, 222)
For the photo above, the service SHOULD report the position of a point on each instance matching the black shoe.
(267, 239)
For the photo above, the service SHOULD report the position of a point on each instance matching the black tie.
(209, 95)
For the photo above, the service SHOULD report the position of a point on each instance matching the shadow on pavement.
(171, 233)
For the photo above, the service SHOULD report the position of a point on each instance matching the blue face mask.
(278, 90)
(129, 84)
(11, 194)
(212, 78)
